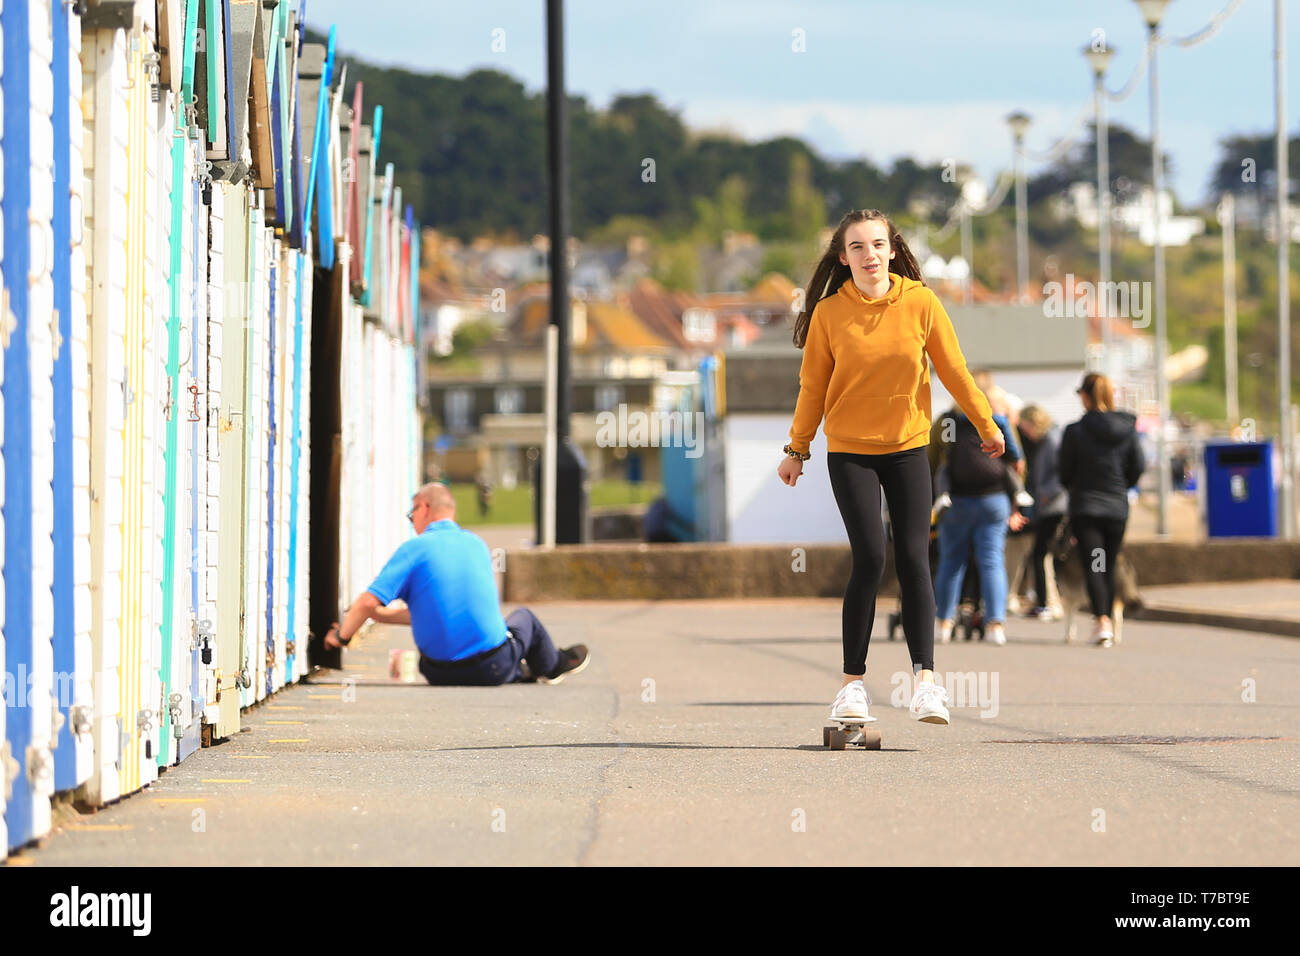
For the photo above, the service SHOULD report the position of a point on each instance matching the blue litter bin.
(1240, 498)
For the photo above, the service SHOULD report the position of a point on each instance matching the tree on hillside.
(1129, 159)
(1247, 168)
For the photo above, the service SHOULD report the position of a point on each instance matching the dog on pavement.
(1073, 590)
(1065, 578)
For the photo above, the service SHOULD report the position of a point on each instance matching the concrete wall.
(710, 571)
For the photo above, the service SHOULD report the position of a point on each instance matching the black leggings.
(1045, 529)
(857, 481)
(1104, 535)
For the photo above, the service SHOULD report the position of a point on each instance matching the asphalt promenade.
(695, 738)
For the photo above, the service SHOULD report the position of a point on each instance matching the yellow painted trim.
(99, 826)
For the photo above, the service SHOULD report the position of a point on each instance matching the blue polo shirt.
(445, 576)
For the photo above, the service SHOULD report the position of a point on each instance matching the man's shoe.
(572, 660)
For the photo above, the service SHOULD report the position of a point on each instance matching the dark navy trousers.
(527, 641)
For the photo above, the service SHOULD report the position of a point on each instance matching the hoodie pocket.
(883, 419)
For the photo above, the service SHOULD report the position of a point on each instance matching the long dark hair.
(830, 273)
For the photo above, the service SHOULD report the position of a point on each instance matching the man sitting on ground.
(445, 577)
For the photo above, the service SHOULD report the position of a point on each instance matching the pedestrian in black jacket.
(1051, 501)
(1100, 459)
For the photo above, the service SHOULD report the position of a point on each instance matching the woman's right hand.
(790, 470)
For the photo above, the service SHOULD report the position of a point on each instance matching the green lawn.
(515, 505)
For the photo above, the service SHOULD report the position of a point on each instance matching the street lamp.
(1152, 11)
(1019, 122)
(1099, 59)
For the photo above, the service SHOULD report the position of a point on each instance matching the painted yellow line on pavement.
(99, 826)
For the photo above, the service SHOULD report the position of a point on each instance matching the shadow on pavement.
(617, 745)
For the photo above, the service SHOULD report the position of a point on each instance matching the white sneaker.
(945, 633)
(1104, 639)
(941, 504)
(995, 634)
(852, 701)
(927, 703)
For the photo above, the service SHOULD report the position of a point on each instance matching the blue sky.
(933, 79)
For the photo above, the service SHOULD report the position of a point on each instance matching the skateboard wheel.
(871, 739)
(826, 736)
(838, 739)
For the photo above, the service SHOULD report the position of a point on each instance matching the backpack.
(970, 471)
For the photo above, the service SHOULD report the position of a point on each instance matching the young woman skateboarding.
(869, 330)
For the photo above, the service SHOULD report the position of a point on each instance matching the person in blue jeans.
(444, 575)
(978, 516)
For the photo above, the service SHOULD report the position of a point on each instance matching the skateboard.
(851, 730)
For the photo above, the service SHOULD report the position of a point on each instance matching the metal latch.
(81, 719)
(57, 720)
(203, 639)
(144, 725)
(153, 70)
(8, 769)
(40, 765)
(174, 709)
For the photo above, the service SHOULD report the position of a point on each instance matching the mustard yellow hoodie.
(865, 367)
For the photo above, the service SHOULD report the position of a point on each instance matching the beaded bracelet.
(804, 456)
